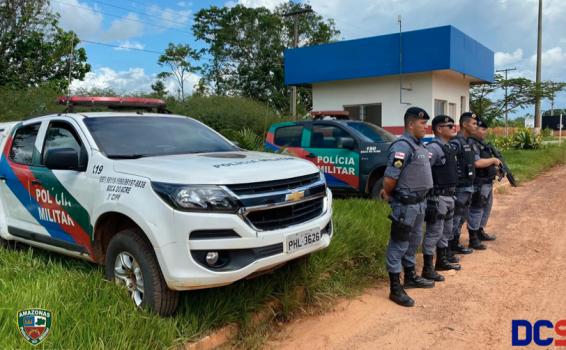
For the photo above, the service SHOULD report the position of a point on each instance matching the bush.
(228, 114)
(546, 132)
(247, 139)
(526, 138)
(19, 104)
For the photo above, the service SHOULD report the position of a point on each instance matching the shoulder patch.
(399, 155)
(398, 163)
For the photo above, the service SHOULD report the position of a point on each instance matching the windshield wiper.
(127, 156)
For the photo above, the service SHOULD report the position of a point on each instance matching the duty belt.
(444, 191)
(411, 199)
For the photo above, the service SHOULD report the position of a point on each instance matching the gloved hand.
(431, 212)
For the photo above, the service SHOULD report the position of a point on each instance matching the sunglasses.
(449, 126)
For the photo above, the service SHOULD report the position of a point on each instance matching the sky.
(507, 27)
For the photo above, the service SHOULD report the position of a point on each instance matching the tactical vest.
(485, 175)
(446, 175)
(416, 176)
(466, 159)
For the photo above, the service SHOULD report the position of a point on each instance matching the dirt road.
(520, 276)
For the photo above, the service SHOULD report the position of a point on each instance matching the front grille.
(281, 217)
(273, 186)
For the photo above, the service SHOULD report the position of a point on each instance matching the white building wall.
(384, 90)
(451, 86)
(424, 89)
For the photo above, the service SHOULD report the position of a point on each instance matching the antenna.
(71, 58)
(401, 88)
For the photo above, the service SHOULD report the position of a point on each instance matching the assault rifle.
(504, 170)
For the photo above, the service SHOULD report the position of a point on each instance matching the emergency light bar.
(112, 102)
(339, 115)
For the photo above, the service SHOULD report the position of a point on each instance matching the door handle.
(311, 155)
(35, 182)
(2, 178)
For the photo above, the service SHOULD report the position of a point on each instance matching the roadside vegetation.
(90, 313)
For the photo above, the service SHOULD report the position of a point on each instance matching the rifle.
(504, 170)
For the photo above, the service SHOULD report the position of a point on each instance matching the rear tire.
(130, 262)
(377, 186)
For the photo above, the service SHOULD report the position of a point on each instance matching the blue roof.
(423, 51)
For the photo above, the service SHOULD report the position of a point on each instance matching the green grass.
(527, 164)
(90, 313)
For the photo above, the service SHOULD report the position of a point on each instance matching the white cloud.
(88, 23)
(552, 57)
(269, 4)
(130, 81)
(171, 18)
(127, 45)
(503, 59)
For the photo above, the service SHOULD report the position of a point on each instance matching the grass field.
(90, 313)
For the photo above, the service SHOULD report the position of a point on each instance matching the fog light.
(211, 258)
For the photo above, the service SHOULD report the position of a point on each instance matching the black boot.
(452, 258)
(457, 248)
(412, 280)
(475, 242)
(483, 236)
(428, 269)
(397, 293)
(442, 263)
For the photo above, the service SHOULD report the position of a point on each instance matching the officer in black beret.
(407, 181)
(440, 203)
(482, 198)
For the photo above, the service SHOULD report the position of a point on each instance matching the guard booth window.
(289, 136)
(370, 113)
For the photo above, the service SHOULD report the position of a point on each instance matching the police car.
(352, 154)
(163, 201)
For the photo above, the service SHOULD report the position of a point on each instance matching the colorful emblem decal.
(34, 325)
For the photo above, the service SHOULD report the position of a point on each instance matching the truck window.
(62, 135)
(327, 136)
(289, 136)
(23, 144)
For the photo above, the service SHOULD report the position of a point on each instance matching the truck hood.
(223, 168)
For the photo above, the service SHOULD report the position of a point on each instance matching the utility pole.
(71, 59)
(295, 14)
(538, 117)
(506, 70)
(401, 88)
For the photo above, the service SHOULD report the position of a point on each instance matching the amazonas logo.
(34, 324)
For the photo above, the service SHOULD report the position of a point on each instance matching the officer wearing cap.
(407, 180)
(469, 160)
(440, 203)
(482, 198)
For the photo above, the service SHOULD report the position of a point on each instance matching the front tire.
(130, 262)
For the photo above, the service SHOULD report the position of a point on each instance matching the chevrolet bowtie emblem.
(295, 196)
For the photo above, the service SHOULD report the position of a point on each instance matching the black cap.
(417, 112)
(482, 123)
(469, 115)
(441, 119)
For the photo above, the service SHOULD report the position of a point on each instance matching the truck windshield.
(372, 132)
(136, 137)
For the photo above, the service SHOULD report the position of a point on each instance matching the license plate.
(302, 240)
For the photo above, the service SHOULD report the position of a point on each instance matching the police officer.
(407, 180)
(440, 203)
(482, 198)
(468, 160)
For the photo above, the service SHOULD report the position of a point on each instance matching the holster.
(431, 212)
(460, 207)
(399, 231)
(478, 201)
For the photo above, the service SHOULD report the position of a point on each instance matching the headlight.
(196, 197)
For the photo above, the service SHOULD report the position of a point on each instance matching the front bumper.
(183, 272)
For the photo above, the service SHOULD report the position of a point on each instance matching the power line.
(122, 17)
(121, 47)
(140, 12)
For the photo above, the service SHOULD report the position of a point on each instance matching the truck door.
(328, 149)
(20, 150)
(62, 196)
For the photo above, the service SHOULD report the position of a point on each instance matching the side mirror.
(62, 159)
(347, 142)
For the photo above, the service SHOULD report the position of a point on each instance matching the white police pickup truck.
(163, 201)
